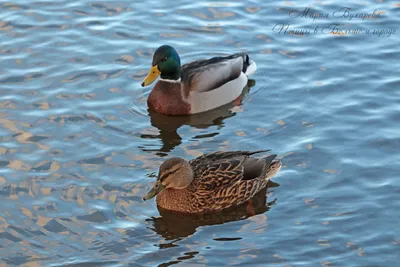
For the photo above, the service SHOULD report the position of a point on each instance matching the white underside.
(223, 95)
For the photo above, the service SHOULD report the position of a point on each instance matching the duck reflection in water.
(169, 125)
(175, 226)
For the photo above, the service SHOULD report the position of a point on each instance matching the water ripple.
(79, 147)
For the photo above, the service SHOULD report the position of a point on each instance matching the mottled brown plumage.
(212, 182)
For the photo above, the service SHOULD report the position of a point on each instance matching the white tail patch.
(251, 69)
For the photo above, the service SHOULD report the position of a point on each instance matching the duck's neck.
(173, 74)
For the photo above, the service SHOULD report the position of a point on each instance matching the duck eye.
(164, 59)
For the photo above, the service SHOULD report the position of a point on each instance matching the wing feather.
(221, 187)
(206, 75)
(229, 178)
(220, 174)
(213, 156)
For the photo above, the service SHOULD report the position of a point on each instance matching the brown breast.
(175, 200)
(166, 98)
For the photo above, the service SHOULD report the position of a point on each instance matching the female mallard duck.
(212, 182)
(197, 86)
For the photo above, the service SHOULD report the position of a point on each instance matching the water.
(79, 149)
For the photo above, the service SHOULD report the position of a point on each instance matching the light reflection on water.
(79, 147)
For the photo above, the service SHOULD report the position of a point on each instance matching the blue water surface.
(79, 148)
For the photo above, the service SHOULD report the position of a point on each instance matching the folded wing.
(231, 180)
(206, 75)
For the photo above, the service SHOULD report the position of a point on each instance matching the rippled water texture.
(79, 148)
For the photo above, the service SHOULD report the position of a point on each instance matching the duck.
(197, 86)
(212, 182)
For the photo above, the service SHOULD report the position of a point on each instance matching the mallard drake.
(197, 86)
(212, 182)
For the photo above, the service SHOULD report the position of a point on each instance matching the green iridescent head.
(166, 64)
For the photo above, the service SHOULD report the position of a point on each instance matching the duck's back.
(225, 179)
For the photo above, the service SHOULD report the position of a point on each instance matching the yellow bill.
(153, 74)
